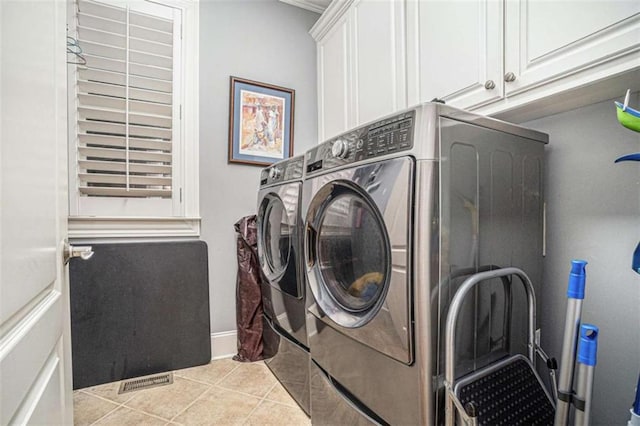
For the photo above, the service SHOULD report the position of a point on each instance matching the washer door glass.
(276, 234)
(352, 250)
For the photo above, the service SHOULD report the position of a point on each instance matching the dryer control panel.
(376, 139)
(283, 171)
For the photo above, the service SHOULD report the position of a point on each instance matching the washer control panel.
(373, 140)
(283, 171)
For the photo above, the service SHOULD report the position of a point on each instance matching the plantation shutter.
(125, 102)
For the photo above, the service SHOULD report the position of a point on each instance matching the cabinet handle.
(489, 85)
(509, 77)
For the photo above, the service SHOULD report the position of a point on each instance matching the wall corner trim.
(224, 344)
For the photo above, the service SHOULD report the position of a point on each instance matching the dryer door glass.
(276, 234)
(352, 251)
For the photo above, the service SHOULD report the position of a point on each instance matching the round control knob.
(275, 173)
(340, 148)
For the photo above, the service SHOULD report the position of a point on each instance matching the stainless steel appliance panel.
(290, 364)
(357, 248)
(331, 407)
(491, 210)
(389, 388)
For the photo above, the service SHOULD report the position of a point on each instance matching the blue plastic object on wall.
(636, 403)
(635, 263)
(629, 157)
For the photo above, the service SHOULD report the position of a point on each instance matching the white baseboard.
(224, 344)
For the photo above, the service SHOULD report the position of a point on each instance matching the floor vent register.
(145, 382)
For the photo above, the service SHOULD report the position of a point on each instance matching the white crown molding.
(305, 4)
(331, 15)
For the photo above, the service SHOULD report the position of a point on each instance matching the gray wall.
(266, 41)
(593, 213)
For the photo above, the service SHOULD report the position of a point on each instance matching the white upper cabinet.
(378, 53)
(548, 40)
(460, 51)
(333, 84)
(361, 63)
(524, 58)
(516, 59)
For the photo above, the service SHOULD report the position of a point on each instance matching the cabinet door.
(379, 60)
(460, 51)
(548, 40)
(333, 84)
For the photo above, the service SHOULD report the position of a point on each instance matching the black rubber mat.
(510, 394)
(139, 309)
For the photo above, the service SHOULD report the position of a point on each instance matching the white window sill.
(93, 227)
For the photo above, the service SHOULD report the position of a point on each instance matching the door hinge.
(180, 194)
(180, 112)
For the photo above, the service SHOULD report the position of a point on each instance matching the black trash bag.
(248, 293)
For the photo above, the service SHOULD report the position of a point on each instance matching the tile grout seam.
(260, 402)
(210, 386)
(117, 407)
(199, 397)
(122, 405)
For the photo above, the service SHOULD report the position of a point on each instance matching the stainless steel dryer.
(283, 291)
(397, 213)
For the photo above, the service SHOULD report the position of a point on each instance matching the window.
(128, 156)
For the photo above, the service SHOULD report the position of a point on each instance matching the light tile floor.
(223, 392)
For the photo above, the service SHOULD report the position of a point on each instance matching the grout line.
(209, 387)
(208, 383)
(199, 382)
(88, 392)
(244, 393)
(199, 397)
(170, 419)
(146, 413)
(108, 413)
(103, 398)
(270, 389)
(261, 401)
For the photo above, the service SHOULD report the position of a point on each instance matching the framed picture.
(260, 122)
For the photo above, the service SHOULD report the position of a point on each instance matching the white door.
(35, 355)
(547, 40)
(333, 84)
(461, 51)
(379, 59)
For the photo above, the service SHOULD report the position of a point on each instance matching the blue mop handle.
(588, 345)
(575, 295)
(577, 278)
(587, 358)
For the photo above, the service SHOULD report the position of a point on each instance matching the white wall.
(593, 213)
(266, 41)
